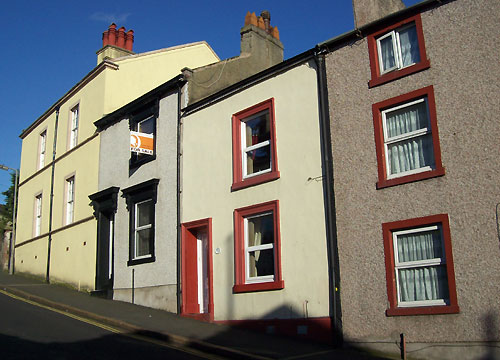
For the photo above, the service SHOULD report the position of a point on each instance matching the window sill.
(397, 74)
(134, 164)
(425, 310)
(141, 261)
(255, 180)
(410, 178)
(243, 288)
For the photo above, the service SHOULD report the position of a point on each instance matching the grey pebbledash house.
(414, 98)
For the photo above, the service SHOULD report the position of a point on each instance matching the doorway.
(197, 289)
(105, 204)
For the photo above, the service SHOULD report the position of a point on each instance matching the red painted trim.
(318, 329)
(424, 63)
(275, 285)
(256, 180)
(387, 230)
(239, 248)
(238, 181)
(185, 228)
(377, 109)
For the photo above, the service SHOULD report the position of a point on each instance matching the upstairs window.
(254, 146)
(397, 51)
(74, 120)
(143, 137)
(419, 266)
(42, 149)
(406, 138)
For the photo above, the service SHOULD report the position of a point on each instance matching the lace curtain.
(425, 282)
(413, 153)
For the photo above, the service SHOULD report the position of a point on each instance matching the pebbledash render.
(414, 100)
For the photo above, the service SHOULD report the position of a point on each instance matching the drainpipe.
(330, 212)
(179, 267)
(47, 276)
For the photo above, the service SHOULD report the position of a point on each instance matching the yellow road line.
(108, 328)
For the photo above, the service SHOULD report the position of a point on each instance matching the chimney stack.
(115, 43)
(261, 40)
(261, 48)
(367, 11)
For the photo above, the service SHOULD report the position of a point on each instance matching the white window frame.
(70, 200)
(417, 264)
(75, 117)
(414, 134)
(245, 149)
(249, 249)
(139, 228)
(396, 46)
(42, 149)
(38, 214)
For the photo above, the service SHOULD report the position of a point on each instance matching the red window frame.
(238, 118)
(388, 229)
(240, 285)
(424, 63)
(383, 181)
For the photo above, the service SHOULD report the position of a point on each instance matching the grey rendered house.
(135, 224)
(414, 101)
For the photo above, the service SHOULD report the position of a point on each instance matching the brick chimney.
(115, 43)
(260, 49)
(261, 40)
(367, 11)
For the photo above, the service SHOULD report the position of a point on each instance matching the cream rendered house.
(255, 243)
(56, 236)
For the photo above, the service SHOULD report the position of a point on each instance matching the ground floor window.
(419, 266)
(257, 248)
(141, 201)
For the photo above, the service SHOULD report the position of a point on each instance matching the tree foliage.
(7, 208)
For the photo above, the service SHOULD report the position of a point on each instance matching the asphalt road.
(28, 331)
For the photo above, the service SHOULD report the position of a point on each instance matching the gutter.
(178, 200)
(51, 206)
(329, 199)
(364, 30)
(248, 82)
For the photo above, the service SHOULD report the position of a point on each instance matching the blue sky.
(50, 45)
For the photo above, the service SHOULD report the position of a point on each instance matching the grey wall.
(155, 283)
(461, 40)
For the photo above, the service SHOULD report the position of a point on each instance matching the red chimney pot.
(129, 40)
(120, 42)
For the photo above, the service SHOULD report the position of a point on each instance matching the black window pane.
(143, 241)
(257, 129)
(261, 263)
(147, 126)
(258, 159)
(145, 213)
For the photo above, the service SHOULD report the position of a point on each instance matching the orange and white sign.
(141, 143)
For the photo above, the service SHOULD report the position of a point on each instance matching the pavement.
(219, 340)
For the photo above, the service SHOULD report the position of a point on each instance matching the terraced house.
(57, 231)
(414, 129)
